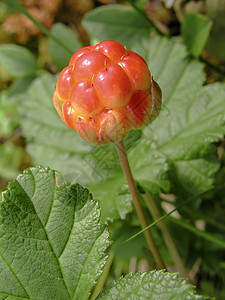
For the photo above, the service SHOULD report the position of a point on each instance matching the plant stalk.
(102, 279)
(166, 235)
(137, 204)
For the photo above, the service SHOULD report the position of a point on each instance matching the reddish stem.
(137, 204)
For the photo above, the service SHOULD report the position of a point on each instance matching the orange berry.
(84, 99)
(65, 83)
(137, 69)
(78, 54)
(69, 115)
(106, 91)
(113, 86)
(113, 50)
(90, 64)
(139, 109)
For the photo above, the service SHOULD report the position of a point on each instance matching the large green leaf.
(116, 22)
(195, 175)
(178, 76)
(114, 196)
(155, 285)
(17, 60)
(149, 167)
(52, 245)
(192, 116)
(59, 55)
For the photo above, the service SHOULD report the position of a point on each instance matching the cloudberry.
(105, 91)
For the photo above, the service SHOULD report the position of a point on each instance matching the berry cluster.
(105, 91)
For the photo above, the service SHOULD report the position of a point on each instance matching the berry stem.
(137, 204)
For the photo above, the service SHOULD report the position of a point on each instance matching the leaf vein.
(60, 268)
(93, 244)
(16, 277)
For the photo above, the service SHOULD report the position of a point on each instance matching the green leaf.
(195, 30)
(59, 55)
(9, 118)
(149, 167)
(116, 22)
(51, 243)
(140, 4)
(178, 76)
(121, 231)
(114, 197)
(153, 285)
(192, 116)
(192, 125)
(195, 175)
(216, 42)
(19, 86)
(10, 160)
(17, 60)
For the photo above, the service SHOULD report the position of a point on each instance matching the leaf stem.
(137, 204)
(102, 279)
(166, 235)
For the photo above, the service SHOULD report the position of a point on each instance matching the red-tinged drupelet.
(105, 91)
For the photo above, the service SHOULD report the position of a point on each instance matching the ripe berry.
(106, 91)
